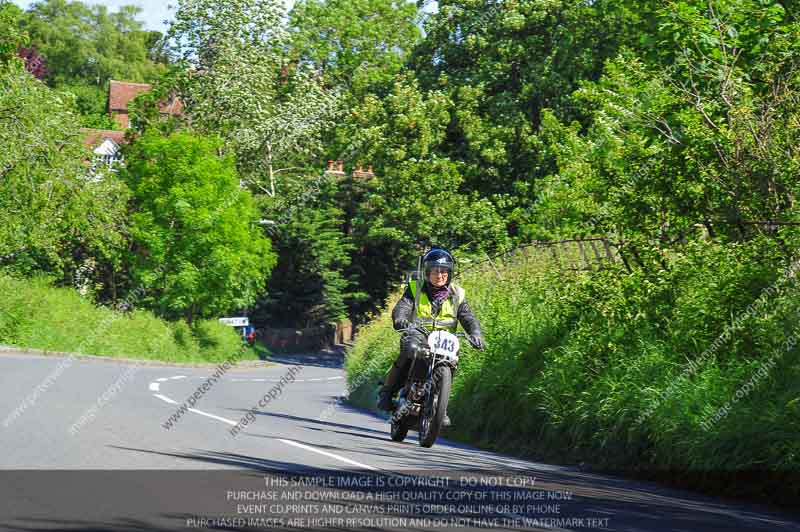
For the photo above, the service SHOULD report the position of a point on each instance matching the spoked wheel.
(430, 422)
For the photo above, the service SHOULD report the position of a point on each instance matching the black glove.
(476, 341)
(401, 324)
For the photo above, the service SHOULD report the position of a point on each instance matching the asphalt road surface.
(85, 445)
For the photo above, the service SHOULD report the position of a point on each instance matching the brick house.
(120, 93)
(105, 143)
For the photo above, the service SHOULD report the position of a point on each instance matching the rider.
(440, 304)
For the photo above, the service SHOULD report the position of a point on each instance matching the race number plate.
(444, 343)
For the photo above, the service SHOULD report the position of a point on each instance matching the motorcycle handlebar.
(421, 328)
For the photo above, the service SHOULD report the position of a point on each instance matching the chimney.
(335, 168)
(359, 173)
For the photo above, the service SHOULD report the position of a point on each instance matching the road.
(83, 446)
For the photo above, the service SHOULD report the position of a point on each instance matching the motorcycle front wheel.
(435, 406)
(399, 429)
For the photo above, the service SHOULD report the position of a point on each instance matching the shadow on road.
(325, 359)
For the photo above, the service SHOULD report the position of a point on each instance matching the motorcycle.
(422, 403)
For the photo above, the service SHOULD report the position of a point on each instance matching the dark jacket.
(404, 310)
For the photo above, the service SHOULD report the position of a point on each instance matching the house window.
(107, 158)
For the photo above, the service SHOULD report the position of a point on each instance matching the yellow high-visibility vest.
(447, 319)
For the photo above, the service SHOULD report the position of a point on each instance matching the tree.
(198, 249)
(85, 46)
(706, 137)
(418, 196)
(34, 62)
(240, 84)
(86, 43)
(503, 63)
(11, 37)
(360, 44)
(51, 219)
(309, 284)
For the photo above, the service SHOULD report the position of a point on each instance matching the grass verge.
(35, 315)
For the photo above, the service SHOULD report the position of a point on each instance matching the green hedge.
(590, 367)
(34, 314)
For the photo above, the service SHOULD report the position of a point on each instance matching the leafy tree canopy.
(85, 46)
(51, 218)
(358, 43)
(199, 250)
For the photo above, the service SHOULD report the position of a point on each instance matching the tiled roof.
(95, 137)
(122, 92)
(172, 107)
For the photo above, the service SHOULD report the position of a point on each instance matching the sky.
(155, 12)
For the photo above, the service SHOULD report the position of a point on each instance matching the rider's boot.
(385, 401)
(391, 385)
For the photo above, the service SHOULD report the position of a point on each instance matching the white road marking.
(162, 379)
(316, 379)
(155, 385)
(329, 455)
(196, 411)
(165, 398)
(212, 416)
(178, 377)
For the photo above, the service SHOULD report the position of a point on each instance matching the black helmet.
(441, 258)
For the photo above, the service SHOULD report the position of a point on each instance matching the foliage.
(145, 109)
(198, 249)
(417, 197)
(272, 113)
(360, 44)
(34, 62)
(85, 43)
(51, 218)
(711, 139)
(92, 104)
(309, 285)
(85, 46)
(502, 63)
(11, 36)
(241, 86)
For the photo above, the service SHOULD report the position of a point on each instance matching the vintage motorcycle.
(422, 402)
